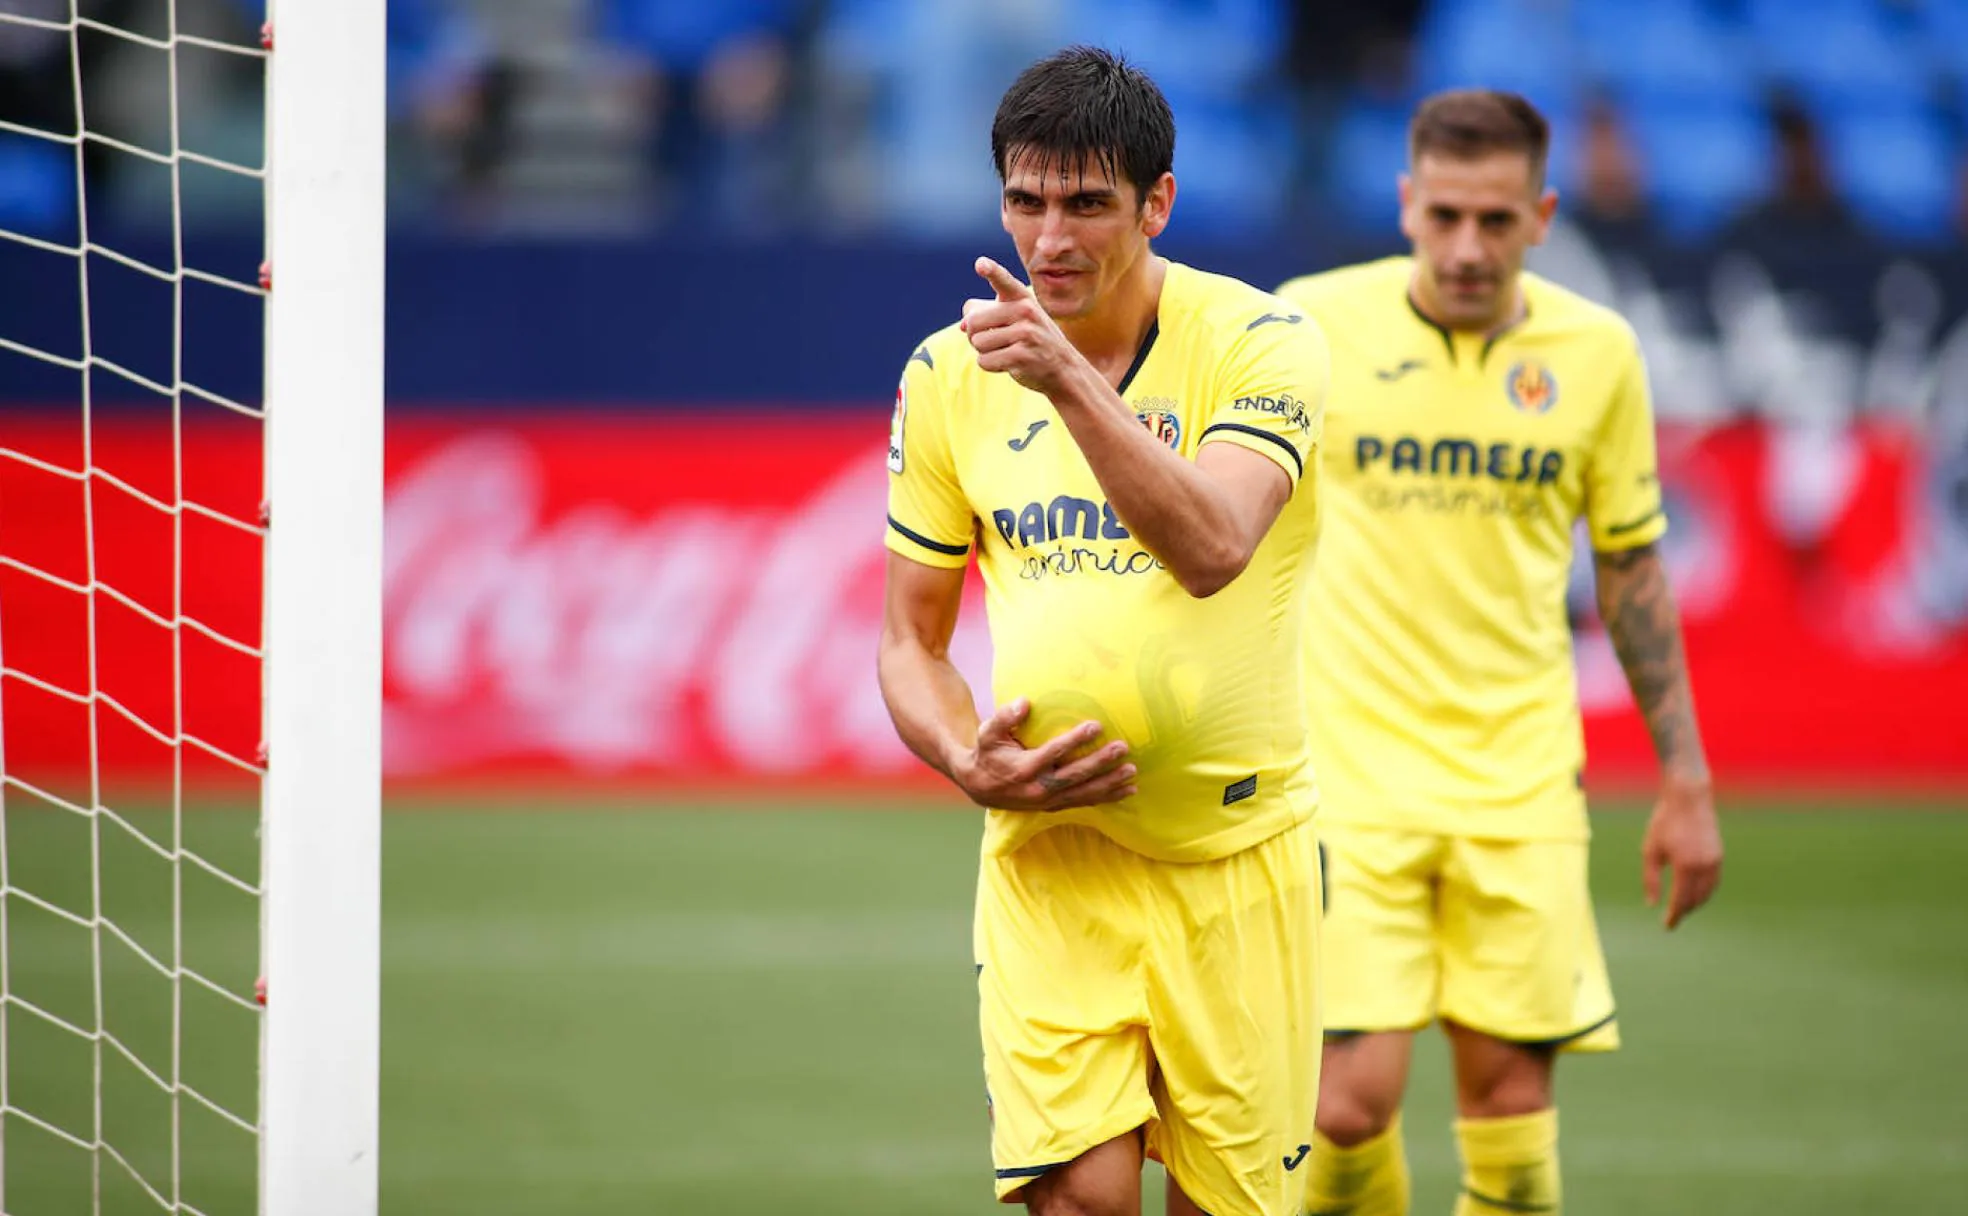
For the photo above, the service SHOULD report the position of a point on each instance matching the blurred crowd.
(1687, 120)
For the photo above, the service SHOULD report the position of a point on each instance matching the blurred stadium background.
(672, 923)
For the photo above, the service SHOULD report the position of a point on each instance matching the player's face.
(1078, 230)
(1471, 221)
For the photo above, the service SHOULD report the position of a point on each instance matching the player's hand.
(1004, 774)
(1014, 335)
(1682, 836)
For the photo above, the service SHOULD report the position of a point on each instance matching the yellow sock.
(1509, 1165)
(1369, 1179)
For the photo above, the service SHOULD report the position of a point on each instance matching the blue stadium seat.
(1702, 162)
(37, 187)
(1943, 32)
(1516, 45)
(1231, 166)
(1897, 170)
(1369, 152)
(1217, 49)
(1839, 54)
(1666, 51)
(862, 35)
(682, 36)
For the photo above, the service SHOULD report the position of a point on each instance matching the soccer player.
(1478, 414)
(1127, 447)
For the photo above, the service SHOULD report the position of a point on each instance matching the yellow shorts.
(1495, 935)
(1117, 992)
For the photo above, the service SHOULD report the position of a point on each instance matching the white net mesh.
(131, 543)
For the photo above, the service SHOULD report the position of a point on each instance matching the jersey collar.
(1449, 338)
(1140, 355)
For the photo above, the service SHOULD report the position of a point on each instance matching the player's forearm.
(1637, 605)
(1168, 504)
(929, 701)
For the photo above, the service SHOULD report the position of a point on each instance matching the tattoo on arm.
(1637, 606)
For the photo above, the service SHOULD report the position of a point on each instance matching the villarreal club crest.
(1163, 425)
(1531, 387)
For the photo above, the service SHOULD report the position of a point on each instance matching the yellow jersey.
(1440, 658)
(1085, 622)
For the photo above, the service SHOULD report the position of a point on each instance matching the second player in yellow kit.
(1446, 706)
(1478, 415)
(1128, 449)
(1457, 464)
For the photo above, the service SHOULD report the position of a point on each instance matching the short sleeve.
(1622, 478)
(929, 520)
(1271, 392)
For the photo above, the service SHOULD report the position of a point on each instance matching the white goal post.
(327, 87)
(126, 1036)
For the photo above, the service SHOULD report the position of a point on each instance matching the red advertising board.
(677, 602)
(690, 601)
(101, 685)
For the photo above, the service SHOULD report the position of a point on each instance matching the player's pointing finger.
(1003, 281)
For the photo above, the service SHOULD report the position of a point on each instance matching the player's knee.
(1349, 1119)
(1360, 1088)
(1506, 1092)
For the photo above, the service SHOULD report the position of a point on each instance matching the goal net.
(191, 197)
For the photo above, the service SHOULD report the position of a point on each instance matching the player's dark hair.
(1082, 106)
(1465, 124)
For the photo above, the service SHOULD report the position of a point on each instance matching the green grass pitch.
(769, 1012)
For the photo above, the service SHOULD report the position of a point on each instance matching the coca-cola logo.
(697, 639)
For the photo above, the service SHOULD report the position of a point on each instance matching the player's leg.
(1378, 945)
(1361, 1084)
(1103, 1181)
(1507, 1125)
(1233, 999)
(1496, 1078)
(1063, 1015)
(1522, 977)
(1359, 1162)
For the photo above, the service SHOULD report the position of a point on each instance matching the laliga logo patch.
(1163, 425)
(895, 425)
(1531, 386)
